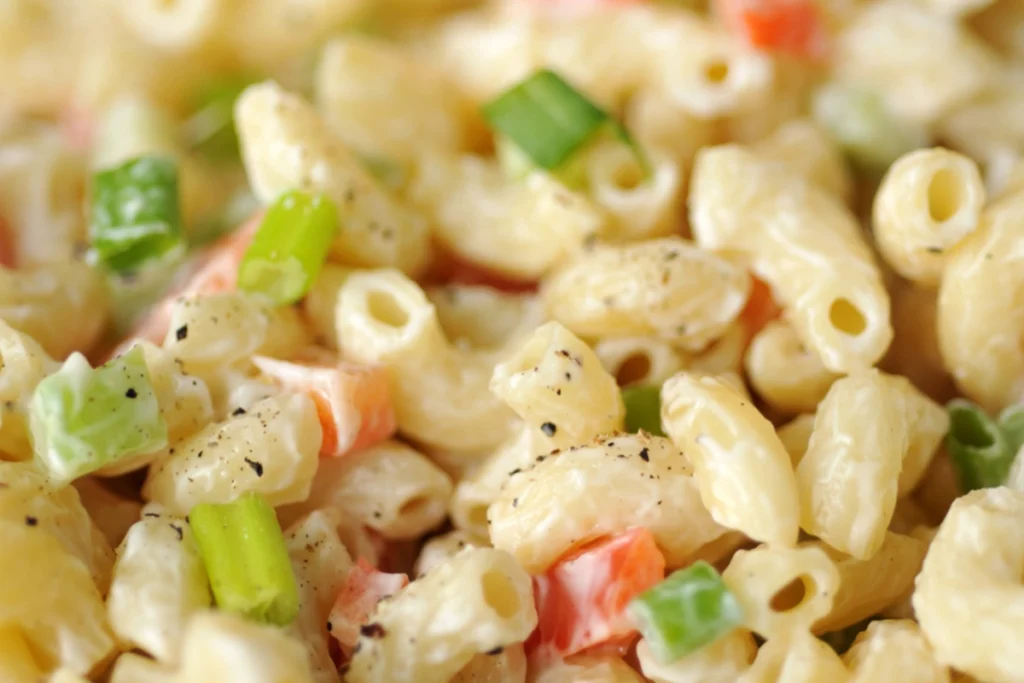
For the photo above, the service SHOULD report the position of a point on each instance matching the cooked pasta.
(511, 341)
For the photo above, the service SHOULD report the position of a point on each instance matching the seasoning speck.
(549, 428)
(495, 651)
(181, 333)
(31, 521)
(131, 393)
(257, 467)
(238, 411)
(372, 630)
(644, 455)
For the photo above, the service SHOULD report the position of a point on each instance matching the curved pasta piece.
(479, 600)
(665, 288)
(159, 583)
(555, 383)
(28, 497)
(804, 243)
(894, 644)
(272, 449)
(42, 300)
(286, 145)
(789, 377)
(721, 661)
(979, 319)
(23, 364)
(569, 497)
(744, 473)
(49, 595)
(595, 668)
(384, 317)
(971, 576)
(848, 478)
(390, 488)
(796, 658)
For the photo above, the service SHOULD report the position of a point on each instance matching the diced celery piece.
(977, 447)
(685, 612)
(83, 419)
(643, 409)
(246, 559)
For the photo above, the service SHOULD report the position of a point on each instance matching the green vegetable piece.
(643, 408)
(290, 247)
(135, 213)
(1011, 423)
(863, 126)
(549, 122)
(688, 610)
(246, 559)
(980, 452)
(210, 130)
(83, 419)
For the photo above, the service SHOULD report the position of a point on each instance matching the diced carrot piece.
(7, 253)
(352, 401)
(791, 26)
(760, 310)
(364, 587)
(581, 599)
(215, 271)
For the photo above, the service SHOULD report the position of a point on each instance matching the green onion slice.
(1011, 423)
(643, 408)
(290, 247)
(549, 122)
(136, 216)
(210, 130)
(861, 123)
(246, 559)
(978, 448)
(83, 419)
(688, 610)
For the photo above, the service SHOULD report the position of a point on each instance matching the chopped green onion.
(290, 247)
(864, 127)
(246, 559)
(549, 122)
(643, 409)
(135, 213)
(688, 610)
(211, 129)
(1011, 423)
(83, 419)
(979, 450)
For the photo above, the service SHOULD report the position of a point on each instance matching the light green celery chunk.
(290, 247)
(864, 127)
(84, 419)
(978, 448)
(1011, 423)
(688, 610)
(246, 559)
(643, 409)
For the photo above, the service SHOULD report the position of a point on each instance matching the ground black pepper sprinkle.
(549, 428)
(31, 521)
(644, 455)
(372, 630)
(257, 467)
(131, 393)
(238, 411)
(181, 333)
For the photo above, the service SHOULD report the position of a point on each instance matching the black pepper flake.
(644, 455)
(131, 393)
(257, 467)
(515, 502)
(31, 521)
(238, 411)
(181, 333)
(495, 651)
(372, 630)
(330, 627)
(178, 529)
(549, 428)
(515, 471)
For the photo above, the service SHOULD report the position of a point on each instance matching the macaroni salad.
(511, 341)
